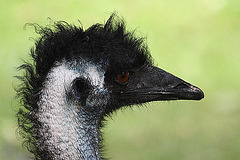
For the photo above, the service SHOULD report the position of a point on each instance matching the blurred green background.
(198, 41)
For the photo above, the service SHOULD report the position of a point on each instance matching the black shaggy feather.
(62, 40)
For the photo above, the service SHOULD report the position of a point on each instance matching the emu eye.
(80, 88)
(123, 77)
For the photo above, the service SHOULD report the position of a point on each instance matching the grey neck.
(64, 134)
(63, 131)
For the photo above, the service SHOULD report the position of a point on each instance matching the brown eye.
(123, 77)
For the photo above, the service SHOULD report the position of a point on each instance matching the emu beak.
(165, 86)
(155, 84)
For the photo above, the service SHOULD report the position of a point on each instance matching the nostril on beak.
(181, 86)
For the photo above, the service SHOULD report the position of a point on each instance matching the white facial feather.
(60, 119)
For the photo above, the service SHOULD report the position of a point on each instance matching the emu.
(78, 77)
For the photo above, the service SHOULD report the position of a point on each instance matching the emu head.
(78, 77)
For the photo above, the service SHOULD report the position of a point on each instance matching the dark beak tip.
(201, 94)
(187, 91)
(197, 93)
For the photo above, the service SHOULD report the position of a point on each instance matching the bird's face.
(96, 89)
(148, 83)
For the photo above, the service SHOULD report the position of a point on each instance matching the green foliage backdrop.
(198, 41)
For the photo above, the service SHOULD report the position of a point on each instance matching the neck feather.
(63, 130)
